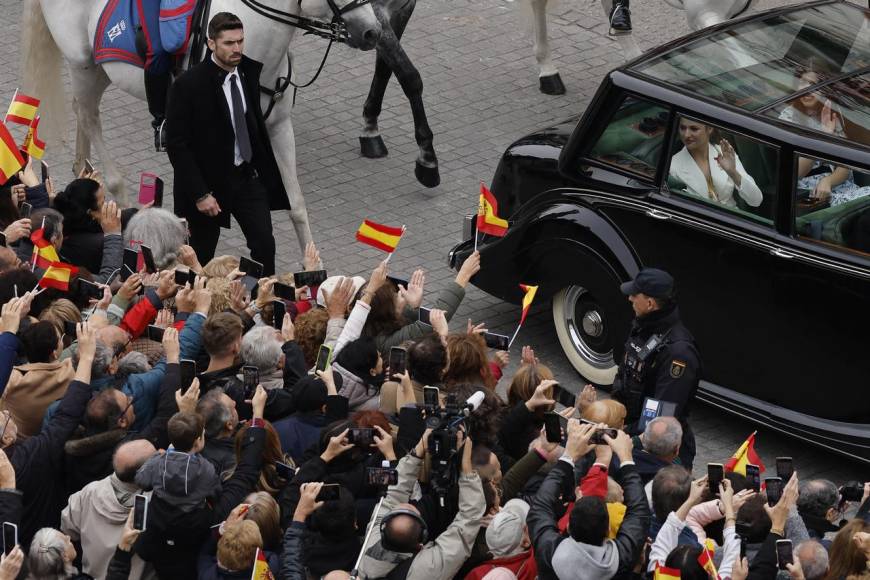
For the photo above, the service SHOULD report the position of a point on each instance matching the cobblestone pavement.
(481, 93)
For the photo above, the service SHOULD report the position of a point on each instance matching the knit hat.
(331, 283)
(504, 536)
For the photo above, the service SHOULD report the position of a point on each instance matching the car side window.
(633, 139)
(728, 170)
(832, 203)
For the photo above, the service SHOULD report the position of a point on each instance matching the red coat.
(523, 566)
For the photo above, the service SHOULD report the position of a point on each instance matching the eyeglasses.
(129, 404)
(5, 424)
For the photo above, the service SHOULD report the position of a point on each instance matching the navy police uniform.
(661, 360)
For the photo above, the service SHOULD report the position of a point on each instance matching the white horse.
(699, 14)
(53, 29)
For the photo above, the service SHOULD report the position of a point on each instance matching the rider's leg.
(620, 17)
(156, 91)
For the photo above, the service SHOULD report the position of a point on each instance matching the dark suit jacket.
(201, 140)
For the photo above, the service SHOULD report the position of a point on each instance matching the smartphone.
(140, 512)
(148, 259)
(715, 475)
(24, 210)
(753, 477)
(279, 309)
(424, 316)
(383, 476)
(598, 436)
(773, 485)
(10, 537)
(431, 397)
(361, 437)
(155, 333)
(784, 468)
(285, 471)
(553, 427)
(329, 492)
(186, 230)
(150, 190)
(284, 291)
(89, 168)
(310, 279)
(397, 360)
(497, 341)
(69, 329)
(784, 554)
(188, 373)
(251, 268)
(398, 281)
(182, 277)
(90, 289)
(251, 378)
(324, 356)
(563, 396)
(130, 263)
(44, 169)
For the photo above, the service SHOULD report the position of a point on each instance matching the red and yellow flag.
(261, 567)
(58, 275)
(744, 455)
(705, 559)
(34, 146)
(527, 300)
(488, 221)
(382, 237)
(22, 109)
(664, 573)
(10, 158)
(44, 254)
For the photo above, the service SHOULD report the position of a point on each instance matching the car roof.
(758, 64)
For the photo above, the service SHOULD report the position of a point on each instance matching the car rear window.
(754, 64)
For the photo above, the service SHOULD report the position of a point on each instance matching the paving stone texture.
(481, 93)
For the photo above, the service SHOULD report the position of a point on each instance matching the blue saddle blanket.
(165, 28)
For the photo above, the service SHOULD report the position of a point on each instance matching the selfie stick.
(390, 255)
(354, 574)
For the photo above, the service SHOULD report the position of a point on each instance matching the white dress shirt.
(683, 167)
(229, 97)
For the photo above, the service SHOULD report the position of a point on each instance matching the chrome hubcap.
(592, 323)
(586, 324)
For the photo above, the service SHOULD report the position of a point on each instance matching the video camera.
(444, 421)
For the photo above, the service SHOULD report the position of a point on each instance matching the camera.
(852, 491)
(444, 423)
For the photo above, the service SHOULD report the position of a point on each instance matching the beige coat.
(31, 389)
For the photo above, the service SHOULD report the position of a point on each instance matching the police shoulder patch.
(678, 367)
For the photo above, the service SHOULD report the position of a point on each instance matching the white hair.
(45, 559)
(262, 349)
(662, 443)
(160, 230)
(813, 558)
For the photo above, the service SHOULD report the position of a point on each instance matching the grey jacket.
(448, 300)
(440, 559)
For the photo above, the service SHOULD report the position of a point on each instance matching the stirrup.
(160, 137)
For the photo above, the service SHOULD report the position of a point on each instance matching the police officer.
(661, 359)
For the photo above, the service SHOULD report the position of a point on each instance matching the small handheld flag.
(261, 567)
(10, 158)
(488, 221)
(382, 237)
(34, 146)
(44, 254)
(705, 559)
(22, 109)
(745, 455)
(528, 297)
(664, 573)
(57, 276)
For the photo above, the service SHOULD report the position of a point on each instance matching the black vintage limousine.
(738, 159)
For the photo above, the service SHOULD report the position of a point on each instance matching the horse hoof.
(552, 85)
(427, 176)
(372, 147)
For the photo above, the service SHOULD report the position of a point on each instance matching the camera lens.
(433, 422)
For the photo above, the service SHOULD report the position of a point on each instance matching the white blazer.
(684, 168)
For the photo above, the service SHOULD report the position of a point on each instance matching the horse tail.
(40, 74)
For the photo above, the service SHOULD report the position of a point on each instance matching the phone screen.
(397, 360)
(284, 291)
(424, 316)
(278, 312)
(310, 279)
(44, 169)
(431, 396)
(715, 475)
(563, 396)
(250, 267)
(773, 485)
(497, 341)
(329, 492)
(24, 210)
(784, 553)
(362, 437)
(10, 537)
(323, 358)
(284, 471)
(188, 373)
(753, 477)
(69, 328)
(383, 476)
(784, 468)
(182, 277)
(155, 333)
(91, 290)
(552, 427)
(251, 377)
(140, 512)
(148, 259)
(131, 260)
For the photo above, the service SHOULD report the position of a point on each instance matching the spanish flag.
(10, 158)
(744, 455)
(261, 567)
(22, 109)
(664, 573)
(384, 238)
(705, 559)
(34, 146)
(57, 276)
(44, 254)
(488, 221)
(527, 300)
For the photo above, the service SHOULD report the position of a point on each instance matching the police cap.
(652, 282)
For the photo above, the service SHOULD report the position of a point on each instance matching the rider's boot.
(156, 91)
(620, 18)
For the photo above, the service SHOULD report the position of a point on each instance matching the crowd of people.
(349, 469)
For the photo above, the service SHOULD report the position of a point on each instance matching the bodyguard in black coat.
(222, 165)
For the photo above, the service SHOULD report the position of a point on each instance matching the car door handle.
(779, 253)
(657, 214)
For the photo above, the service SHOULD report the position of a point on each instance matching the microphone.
(473, 402)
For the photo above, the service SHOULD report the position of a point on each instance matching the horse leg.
(550, 81)
(283, 140)
(426, 169)
(371, 143)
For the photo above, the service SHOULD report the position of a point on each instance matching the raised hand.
(384, 443)
(17, 230)
(470, 267)
(187, 402)
(171, 346)
(439, 322)
(110, 218)
(829, 118)
(311, 260)
(131, 286)
(337, 445)
(528, 356)
(337, 302)
(727, 159)
(288, 330)
(413, 294)
(307, 500)
(472, 328)
(540, 398)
